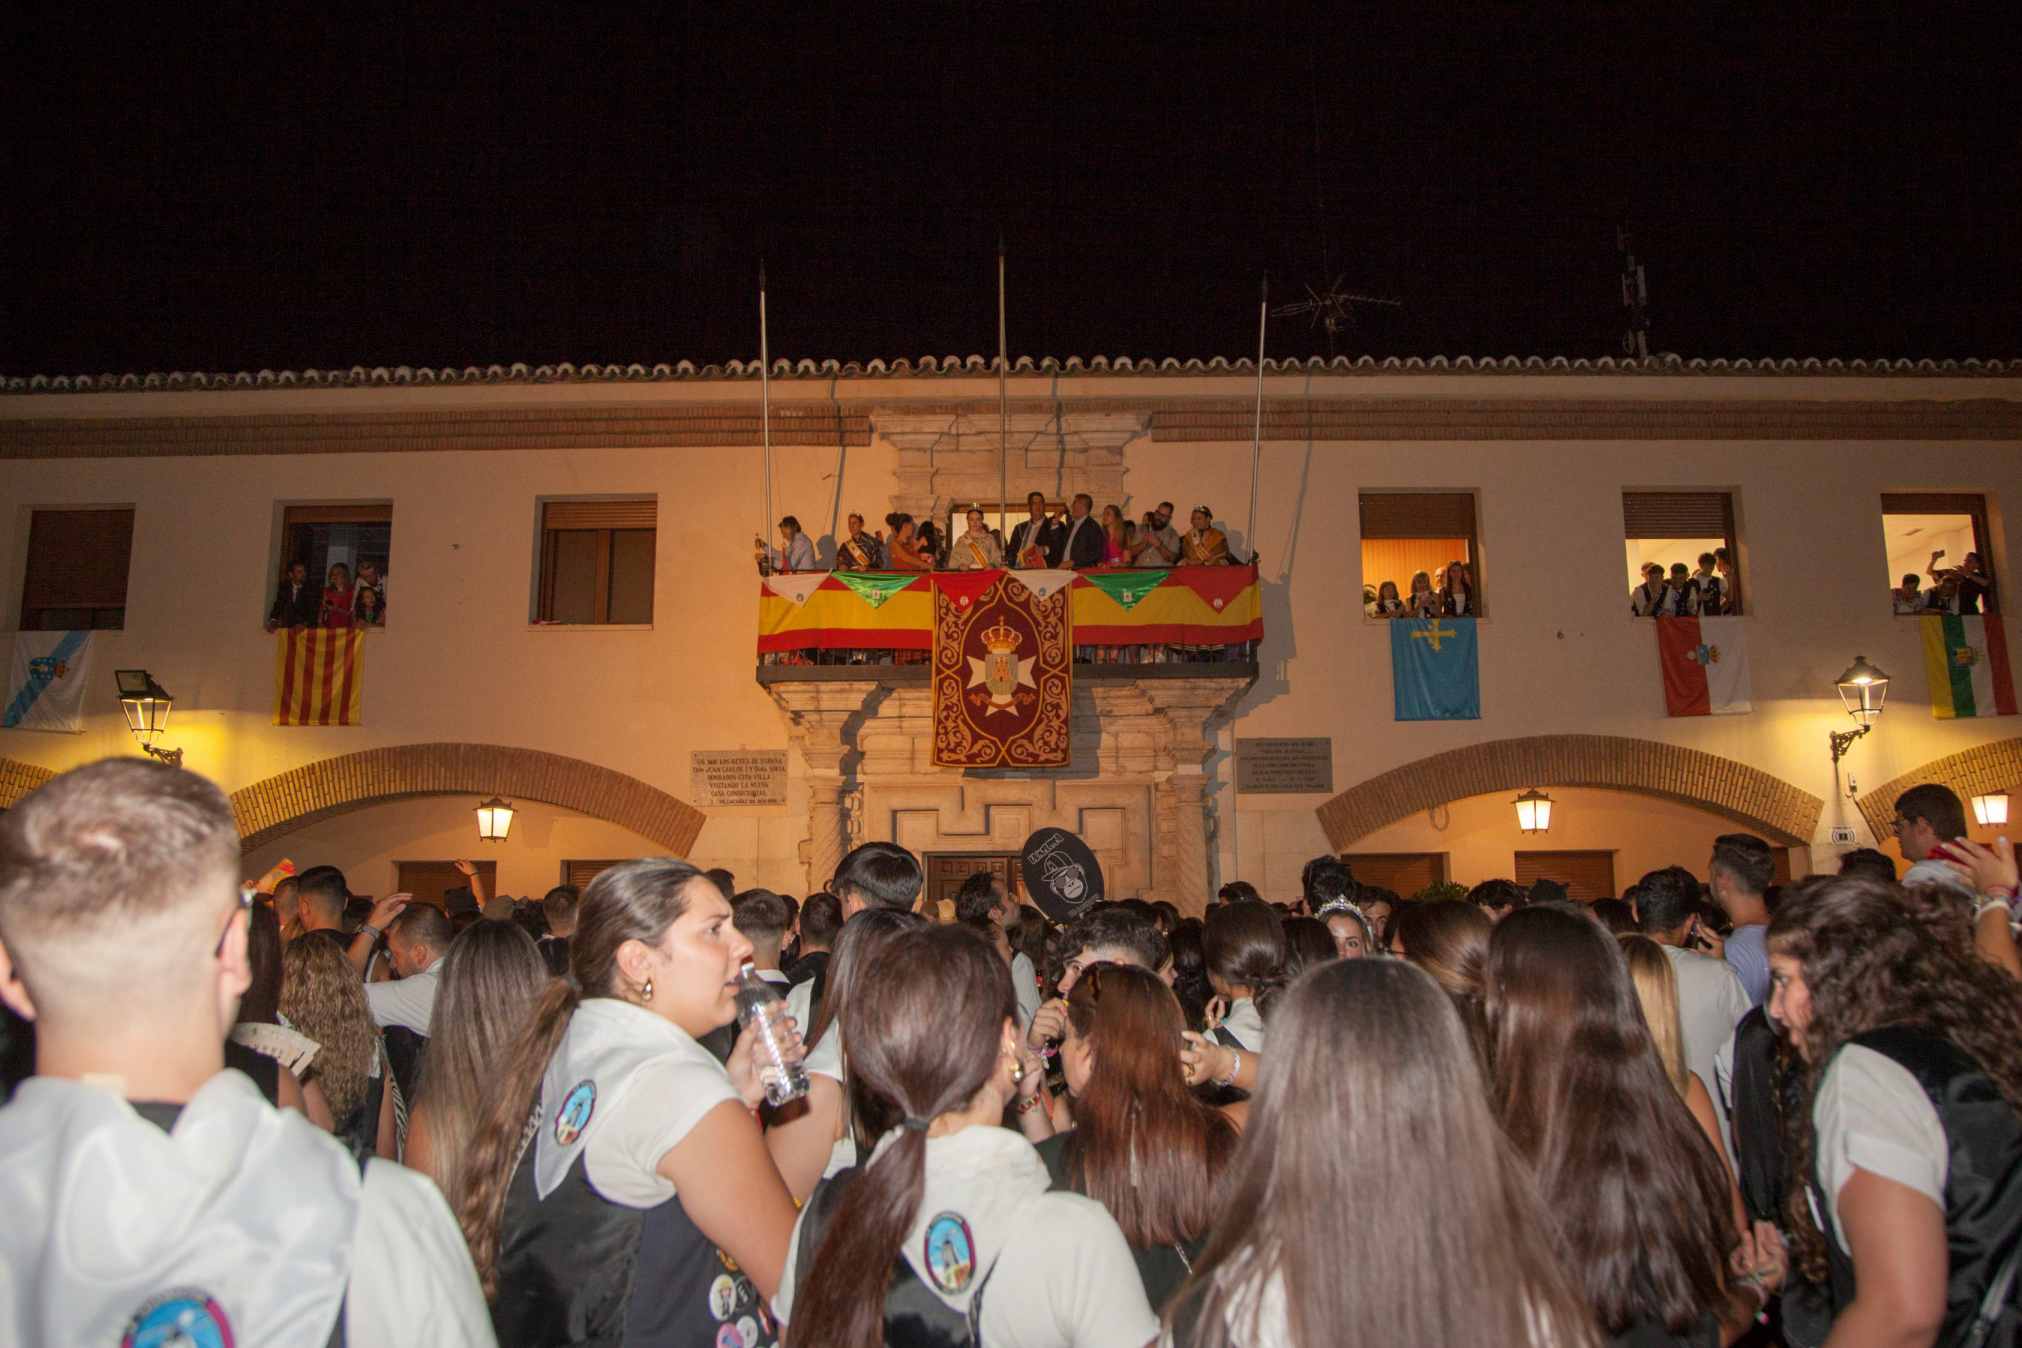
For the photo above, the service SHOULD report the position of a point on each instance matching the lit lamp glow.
(1862, 690)
(494, 820)
(1991, 810)
(147, 706)
(1534, 811)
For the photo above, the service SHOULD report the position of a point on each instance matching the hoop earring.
(646, 991)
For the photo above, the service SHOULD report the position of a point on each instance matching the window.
(597, 561)
(1405, 533)
(431, 881)
(357, 536)
(1665, 528)
(1405, 872)
(77, 564)
(1586, 875)
(580, 873)
(1929, 536)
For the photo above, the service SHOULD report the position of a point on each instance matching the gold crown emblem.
(1002, 637)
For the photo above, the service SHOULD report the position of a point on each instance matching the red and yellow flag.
(319, 674)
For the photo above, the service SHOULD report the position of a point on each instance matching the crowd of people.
(341, 602)
(1447, 592)
(1076, 538)
(1965, 588)
(1677, 1117)
(1681, 592)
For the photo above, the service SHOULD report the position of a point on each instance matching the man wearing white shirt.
(417, 937)
(760, 917)
(1711, 1000)
(983, 895)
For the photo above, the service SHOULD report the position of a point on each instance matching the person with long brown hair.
(1448, 938)
(1143, 1145)
(322, 997)
(1405, 1219)
(617, 1187)
(1637, 1195)
(1245, 948)
(950, 1227)
(491, 979)
(1910, 1138)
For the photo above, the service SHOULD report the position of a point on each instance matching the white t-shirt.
(1246, 1023)
(1711, 1001)
(649, 1085)
(1025, 987)
(1062, 1277)
(408, 1002)
(1871, 1113)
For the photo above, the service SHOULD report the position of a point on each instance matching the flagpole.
(1003, 407)
(1257, 426)
(765, 403)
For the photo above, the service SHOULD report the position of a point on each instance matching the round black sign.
(1061, 874)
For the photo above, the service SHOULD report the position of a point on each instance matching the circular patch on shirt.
(951, 1252)
(728, 1337)
(182, 1318)
(722, 1297)
(747, 1332)
(577, 1106)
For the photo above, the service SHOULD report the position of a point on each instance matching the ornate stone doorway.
(947, 872)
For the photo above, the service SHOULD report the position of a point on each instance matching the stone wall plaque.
(719, 777)
(1267, 766)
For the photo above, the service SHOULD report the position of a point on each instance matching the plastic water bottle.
(758, 1000)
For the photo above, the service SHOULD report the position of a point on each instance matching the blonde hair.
(322, 997)
(1656, 985)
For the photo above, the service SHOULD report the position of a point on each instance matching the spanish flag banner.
(1967, 660)
(319, 674)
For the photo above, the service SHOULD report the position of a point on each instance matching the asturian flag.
(1435, 669)
(1967, 660)
(45, 690)
(1705, 662)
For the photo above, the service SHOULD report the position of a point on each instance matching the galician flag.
(1435, 669)
(1705, 662)
(1967, 659)
(45, 689)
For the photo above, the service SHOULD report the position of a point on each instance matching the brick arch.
(1994, 766)
(17, 779)
(290, 800)
(1768, 805)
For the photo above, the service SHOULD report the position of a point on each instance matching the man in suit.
(1081, 546)
(297, 603)
(1040, 532)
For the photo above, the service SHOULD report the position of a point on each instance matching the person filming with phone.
(1711, 999)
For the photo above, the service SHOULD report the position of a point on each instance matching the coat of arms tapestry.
(1003, 669)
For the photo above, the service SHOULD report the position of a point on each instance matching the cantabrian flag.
(319, 675)
(1967, 659)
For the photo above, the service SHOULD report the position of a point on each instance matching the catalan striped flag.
(1967, 660)
(319, 674)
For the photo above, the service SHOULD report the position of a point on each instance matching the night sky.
(325, 190)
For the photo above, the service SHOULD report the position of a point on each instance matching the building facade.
(565, 559)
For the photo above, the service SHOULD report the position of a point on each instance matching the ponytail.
(867, 1227)
(478, 1193)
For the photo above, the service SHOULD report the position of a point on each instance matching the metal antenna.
(1635, 298)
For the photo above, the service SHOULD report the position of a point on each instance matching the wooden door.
(428, 881)
(948, 871)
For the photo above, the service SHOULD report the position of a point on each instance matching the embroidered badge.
(577, 1106)
(182, 1318)
(951, 1252)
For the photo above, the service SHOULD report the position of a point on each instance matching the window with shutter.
(77, 570)
(1406, 873)
(1666, 528)
(1404, 533)
(597, 560)
(1586, 875)
(356, 535)
(1928, 536)
(580, 873)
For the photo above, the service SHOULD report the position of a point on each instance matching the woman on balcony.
(978, 548)
(1204, 545)
(904, 548)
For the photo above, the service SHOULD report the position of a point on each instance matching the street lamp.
(1991, 810)
(1862, 690)
(1534, 811)
(147, 705)
(494, 820)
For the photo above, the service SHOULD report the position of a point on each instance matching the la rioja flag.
(1705, 663)
(1967, 660)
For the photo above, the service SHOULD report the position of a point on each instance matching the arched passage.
(287, 801)
(17, 779)
(1768, 805)
(1995, 766)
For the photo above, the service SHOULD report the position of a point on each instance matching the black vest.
(914, 1316)
(1983, 1181)
(575, 1268)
